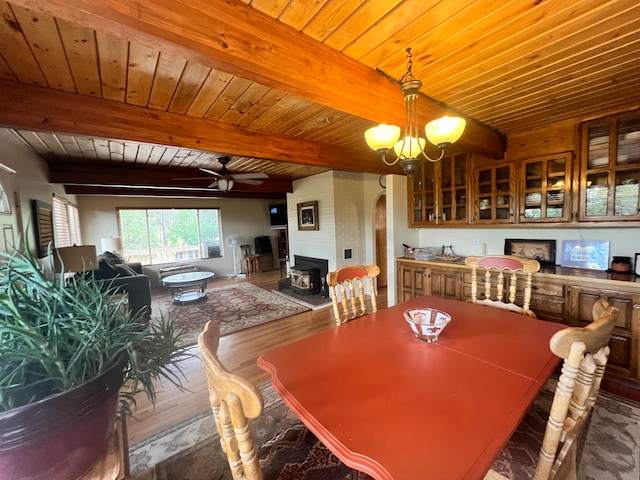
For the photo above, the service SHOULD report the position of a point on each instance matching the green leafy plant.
(56, 335)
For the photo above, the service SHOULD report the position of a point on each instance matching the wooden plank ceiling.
(120, 96)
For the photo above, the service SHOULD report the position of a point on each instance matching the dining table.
(395, 407)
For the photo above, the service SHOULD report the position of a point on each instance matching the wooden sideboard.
(564, 295)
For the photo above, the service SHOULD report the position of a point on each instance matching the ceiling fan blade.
(247, 181)
(191, 178)
(211, 172)
(237, 176)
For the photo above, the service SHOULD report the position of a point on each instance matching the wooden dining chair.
(488, 277)
(347, 289)
(585, 352)
(235, 401)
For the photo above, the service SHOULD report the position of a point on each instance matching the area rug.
(234, 307)
(191, 451)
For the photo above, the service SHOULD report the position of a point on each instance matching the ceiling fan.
(224, 179)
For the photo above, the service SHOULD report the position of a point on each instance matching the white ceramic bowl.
(427, 323)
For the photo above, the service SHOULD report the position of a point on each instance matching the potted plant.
(70, 353)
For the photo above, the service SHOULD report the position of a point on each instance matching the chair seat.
(296, 454)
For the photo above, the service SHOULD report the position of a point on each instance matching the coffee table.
(188, 287)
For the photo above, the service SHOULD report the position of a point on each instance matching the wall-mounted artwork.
(308, 216)
(9, 239)
(5, 204)
(43, 223)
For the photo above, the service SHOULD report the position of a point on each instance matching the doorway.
(380, 220)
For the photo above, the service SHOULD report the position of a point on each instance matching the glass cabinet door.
(454, 189)
(422, 196)
(610, 169)
(545, 189)
(494, 186)
(438, 192)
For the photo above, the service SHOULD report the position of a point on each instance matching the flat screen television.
(278, 215)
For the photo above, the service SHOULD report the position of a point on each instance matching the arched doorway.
(380, 220)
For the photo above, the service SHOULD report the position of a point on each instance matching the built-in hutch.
(566, 175)
(595, 183)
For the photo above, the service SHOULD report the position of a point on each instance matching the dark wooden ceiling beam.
(109, 174)
(235, 38)
(43, 109)
(176, 193)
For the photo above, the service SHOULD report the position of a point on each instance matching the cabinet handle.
(636, 306)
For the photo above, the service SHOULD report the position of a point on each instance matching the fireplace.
(307, 273)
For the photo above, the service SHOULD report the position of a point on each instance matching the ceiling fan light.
(410, 147)
(382, 137)
(445, 131)
(225, 184)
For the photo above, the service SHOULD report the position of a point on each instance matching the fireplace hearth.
(306, 274)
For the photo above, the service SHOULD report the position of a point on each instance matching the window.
(153, 236)
(66, 223)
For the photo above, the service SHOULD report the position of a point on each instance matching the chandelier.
(441, 132)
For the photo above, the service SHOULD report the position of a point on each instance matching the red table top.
(396, 407)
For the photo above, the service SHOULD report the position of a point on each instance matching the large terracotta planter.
(62, 436)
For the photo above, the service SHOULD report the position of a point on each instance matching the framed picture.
(544, 251)
(5, 204)
(308, 216)
(589, 254)
(9, 240)
(43, 221)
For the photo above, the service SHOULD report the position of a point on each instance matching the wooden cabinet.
(412, 280)
(417, 278)
(494, 194)
(445, 282)
(545, 189)
(602, 186)
(265, 262)
(439, 192)
(547, 296)
(625, 341)
(610, 169)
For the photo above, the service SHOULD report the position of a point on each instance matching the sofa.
(114, 273)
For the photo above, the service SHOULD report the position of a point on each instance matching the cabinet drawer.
(548, 289)
(551, 305)
(620, 356)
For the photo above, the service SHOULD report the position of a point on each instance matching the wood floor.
(237, 351)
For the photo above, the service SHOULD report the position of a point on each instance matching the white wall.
(27, 184)
(623, 241)
(346, 204)
(242, 217)
(313, 243)
(398, 231)
(349, 215)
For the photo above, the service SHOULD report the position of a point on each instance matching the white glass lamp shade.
(445, 131)
(411, 147)
(111, 244)
(225, 184)
(382, 137)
